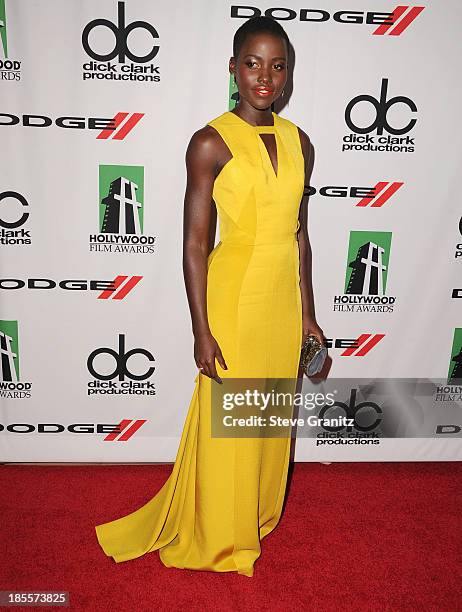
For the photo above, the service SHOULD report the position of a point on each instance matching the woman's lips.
(264, 92)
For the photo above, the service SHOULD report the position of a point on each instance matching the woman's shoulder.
(211, 129)
(208, 139)
(222, 119)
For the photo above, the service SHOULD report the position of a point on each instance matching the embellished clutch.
(313, 355)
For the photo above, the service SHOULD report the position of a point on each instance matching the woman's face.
(260, 69)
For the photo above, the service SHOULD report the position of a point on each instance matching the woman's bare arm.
(205, 154)
(310, 326)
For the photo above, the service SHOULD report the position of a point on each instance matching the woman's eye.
(250, 63)
(280, 66)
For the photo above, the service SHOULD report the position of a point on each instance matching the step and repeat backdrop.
(98, 103)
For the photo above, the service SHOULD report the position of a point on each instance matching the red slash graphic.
(119, 294)
(383, 197)
(129, 430)
(119, 134)
(398, 27)
(364, 344)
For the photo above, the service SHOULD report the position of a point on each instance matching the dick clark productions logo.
(101, 66)
(129, 381)
(388, 136)
(13, 215)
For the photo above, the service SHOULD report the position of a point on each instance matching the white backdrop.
(58, 171)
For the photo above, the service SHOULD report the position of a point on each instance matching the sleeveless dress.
(225, 494)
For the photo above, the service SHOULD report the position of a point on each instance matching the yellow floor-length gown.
(225, 494)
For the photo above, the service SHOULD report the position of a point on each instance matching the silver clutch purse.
(313, 355)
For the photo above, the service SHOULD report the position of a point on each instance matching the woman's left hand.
(310, 326)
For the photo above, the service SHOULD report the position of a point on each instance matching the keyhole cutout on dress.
(269, 140)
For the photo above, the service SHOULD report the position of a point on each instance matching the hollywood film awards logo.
(11, 385)
(387, 137)
(366, 274)
(121, 212)
(121, 371)
(233, 93)
(13, 216)
(10, 69)
(452, 391)
(455, 361)
(132, 60)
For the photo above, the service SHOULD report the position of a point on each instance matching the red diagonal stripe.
(108, 292)
(387, 194)
(127, 287)
(406, 20)
(377, 189)
(116, 121)
(127, 126)
(399, 10)
(349, 351)
(128, 433)
(369, 345)
(120, 427)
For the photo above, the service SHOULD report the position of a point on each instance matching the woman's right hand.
(206, 350)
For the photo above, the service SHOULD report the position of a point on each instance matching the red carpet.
(353, 536)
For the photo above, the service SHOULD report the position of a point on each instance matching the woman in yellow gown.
(251, 303)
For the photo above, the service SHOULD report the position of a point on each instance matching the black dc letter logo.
(23, 218)
(121, 32)
(121, 358)
(351, 412)
(382, 107)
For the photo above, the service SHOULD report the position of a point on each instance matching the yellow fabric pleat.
(225, 494)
